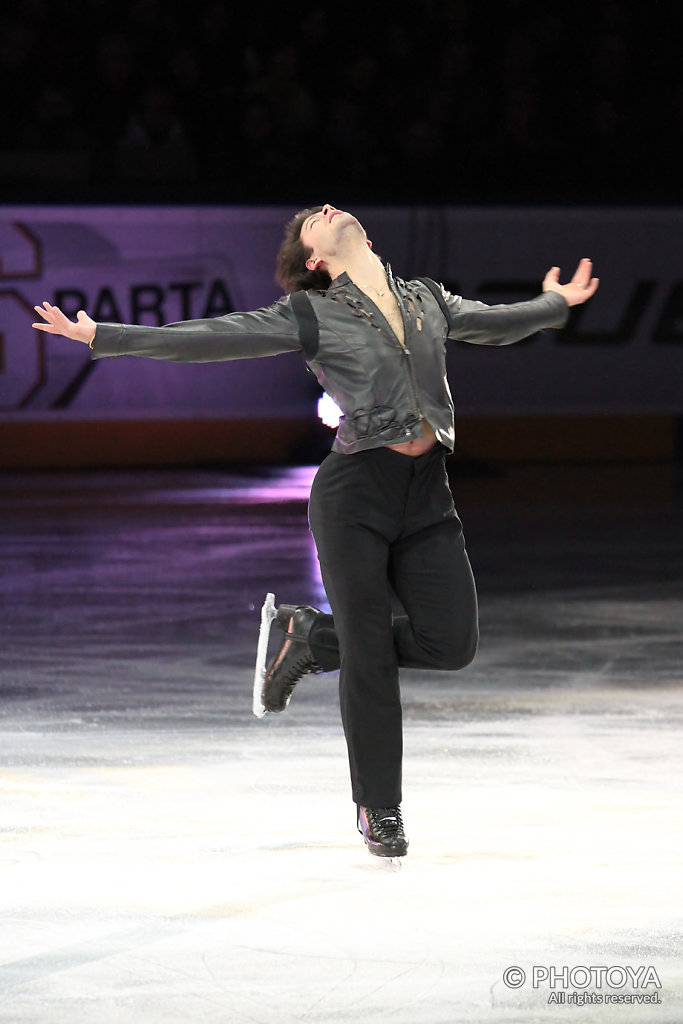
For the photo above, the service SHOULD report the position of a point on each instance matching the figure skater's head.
(291, 271)
(315, 239)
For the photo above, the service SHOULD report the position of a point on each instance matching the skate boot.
(382, 830)
(294, 659)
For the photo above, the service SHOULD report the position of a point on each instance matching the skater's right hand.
(57, 323)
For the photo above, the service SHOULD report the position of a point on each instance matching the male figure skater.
(381, 511)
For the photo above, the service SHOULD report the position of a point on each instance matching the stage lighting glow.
(328, 411)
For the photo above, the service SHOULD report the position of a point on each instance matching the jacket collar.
(342, 281)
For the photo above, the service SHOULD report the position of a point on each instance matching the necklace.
(380, 291)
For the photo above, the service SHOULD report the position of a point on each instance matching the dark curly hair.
(291, 272)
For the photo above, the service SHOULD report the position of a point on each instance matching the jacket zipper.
(407, 356)
(411, 378)
(404, 349)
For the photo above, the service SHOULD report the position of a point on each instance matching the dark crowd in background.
(447, 101)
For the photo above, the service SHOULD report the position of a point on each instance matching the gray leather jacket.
(383, 389)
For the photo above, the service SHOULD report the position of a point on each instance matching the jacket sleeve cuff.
(107, 341)
(555, 301)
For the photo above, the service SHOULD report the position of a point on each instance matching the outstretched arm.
(262, 332)
(480, 324)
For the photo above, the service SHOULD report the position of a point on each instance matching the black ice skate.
(382, 830)
(273, 686)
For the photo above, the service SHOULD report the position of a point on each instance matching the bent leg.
(431, 574)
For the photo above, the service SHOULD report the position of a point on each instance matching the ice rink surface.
(167, 857)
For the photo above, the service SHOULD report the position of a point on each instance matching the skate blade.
(389, 863)
(268, 615)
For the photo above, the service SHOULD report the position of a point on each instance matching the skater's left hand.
(579, 289)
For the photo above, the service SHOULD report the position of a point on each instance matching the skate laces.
(388, 820)
(302, 667)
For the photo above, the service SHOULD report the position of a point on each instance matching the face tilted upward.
(327, 232)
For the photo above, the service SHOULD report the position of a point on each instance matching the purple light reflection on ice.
(292, 483)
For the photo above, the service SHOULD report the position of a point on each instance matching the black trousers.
(384, 523)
